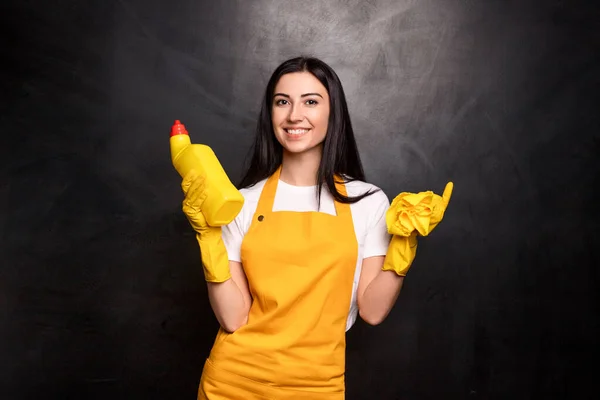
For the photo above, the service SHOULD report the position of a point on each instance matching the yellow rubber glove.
(212, 249)
(400, 254)
(411, 214)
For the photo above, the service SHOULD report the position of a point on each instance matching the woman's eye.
(281, 102)
(311, 102)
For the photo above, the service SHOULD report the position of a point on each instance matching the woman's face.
(300, 112)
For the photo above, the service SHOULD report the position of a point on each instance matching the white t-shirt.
(368, 216)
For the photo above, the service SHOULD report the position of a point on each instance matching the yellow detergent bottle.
(223, 201)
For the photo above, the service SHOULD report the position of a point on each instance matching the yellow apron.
(300, 268)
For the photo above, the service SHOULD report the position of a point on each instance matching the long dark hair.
(340, 153)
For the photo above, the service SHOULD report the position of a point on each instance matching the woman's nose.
(295, 114)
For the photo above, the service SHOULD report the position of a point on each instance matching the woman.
(309, 251)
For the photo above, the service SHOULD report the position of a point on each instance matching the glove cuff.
(215, 261)
(401, 253)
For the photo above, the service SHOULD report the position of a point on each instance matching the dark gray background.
(101, 291)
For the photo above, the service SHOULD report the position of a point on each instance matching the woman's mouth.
(296, 132)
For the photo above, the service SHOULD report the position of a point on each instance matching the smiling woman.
(309, 251)
(300, 119)
(304, 91)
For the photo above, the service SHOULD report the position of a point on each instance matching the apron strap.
(267, 197)
(341, 208)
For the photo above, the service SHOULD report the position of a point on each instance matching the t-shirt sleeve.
(232, 235)
(377, 238)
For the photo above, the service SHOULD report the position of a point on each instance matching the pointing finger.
(447, 193)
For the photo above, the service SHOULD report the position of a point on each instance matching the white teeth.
(296, 131)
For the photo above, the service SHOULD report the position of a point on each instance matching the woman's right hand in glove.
(212, 249)
(194, 195)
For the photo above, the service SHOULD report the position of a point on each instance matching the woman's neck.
(300, 169)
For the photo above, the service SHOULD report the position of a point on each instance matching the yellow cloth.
(411, 214)
(212, 249)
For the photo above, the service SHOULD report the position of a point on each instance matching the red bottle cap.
(178, 129)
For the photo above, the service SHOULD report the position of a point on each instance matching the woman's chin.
(297, 148)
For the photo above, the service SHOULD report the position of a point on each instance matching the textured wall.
(101, 293)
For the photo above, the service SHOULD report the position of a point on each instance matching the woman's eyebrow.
(311, 94)
(304, 95)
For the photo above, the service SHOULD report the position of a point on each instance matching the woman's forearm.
(379, 296)
(230, 300)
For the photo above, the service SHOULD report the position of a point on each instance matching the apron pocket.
(219, 384)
